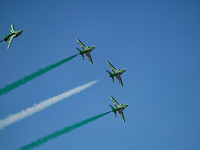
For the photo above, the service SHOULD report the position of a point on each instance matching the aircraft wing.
(82, 45)
(12, 30)
(122, 115)
(89, 57)
(120, 80)
(10, 41)
(111, 66)
(115, 102)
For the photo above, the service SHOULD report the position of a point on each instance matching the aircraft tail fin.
(113, 109)
(80, 52)
(110, 75)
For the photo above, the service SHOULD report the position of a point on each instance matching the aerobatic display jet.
(116, 72)
(85, 50)
(13, 34)
(119, 108)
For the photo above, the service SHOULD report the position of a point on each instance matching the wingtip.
(12, 25)
(8, 46)
(91, 62)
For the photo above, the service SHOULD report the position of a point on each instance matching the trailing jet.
(119, 108)
(13, 34)
(86, 50)
(116, 72)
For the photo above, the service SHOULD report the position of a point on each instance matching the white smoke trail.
(12, 118)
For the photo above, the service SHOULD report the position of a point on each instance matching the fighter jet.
(86, 50)
(116, 72)
(13, 34)
(119, 108)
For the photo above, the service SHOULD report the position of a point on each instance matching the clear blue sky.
(157, 42)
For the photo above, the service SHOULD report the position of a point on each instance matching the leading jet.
(119, 108)
(13, 34)
(85, 50)
(116, 72)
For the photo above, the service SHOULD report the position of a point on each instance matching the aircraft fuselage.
(7, 38)
(118, 72)
(19, 33)
(87, 49)
(122, 107)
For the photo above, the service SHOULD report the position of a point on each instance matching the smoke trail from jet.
(58, 133)
(42, 105)
(27, 78)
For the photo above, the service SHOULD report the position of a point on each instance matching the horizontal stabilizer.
(108, 71)
(110, 75)
(80, 52)
(112, 78)
(113, 109)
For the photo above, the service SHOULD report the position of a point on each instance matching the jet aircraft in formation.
(13, 34)
(116, 72)
(86, 50)
(119, 108)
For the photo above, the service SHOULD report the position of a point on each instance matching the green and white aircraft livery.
(13, 34)
(85, 50)
(116, 72)
(119, 108)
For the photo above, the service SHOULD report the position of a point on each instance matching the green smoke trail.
(57, 133)
(27, 78)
